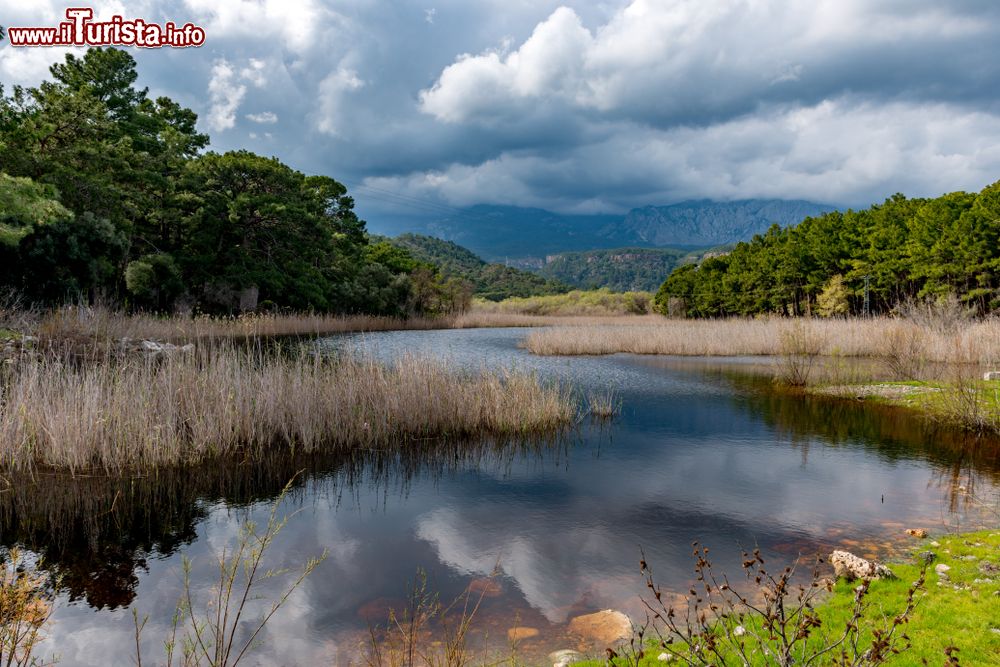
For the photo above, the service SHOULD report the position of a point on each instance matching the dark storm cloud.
(580, 106)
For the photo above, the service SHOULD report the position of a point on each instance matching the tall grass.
(882, 338)
(132, 412)
(601, 302)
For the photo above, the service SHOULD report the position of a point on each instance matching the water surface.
(701, 451)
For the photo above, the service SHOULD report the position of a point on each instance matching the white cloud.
(225, 93)
(263, 117)
(660, 60)
(919, 149)
(295, 22)
(332, 92)
(227, 88)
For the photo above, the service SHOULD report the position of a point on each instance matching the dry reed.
(972, 342)
(85, 325)
(139, 412)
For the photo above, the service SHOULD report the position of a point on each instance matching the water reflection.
(702, 451)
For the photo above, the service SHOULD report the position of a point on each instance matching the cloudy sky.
(585, 106)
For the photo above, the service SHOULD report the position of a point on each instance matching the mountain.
(621, 270)
(505, 233)
(499, 233)
(707, 223)
(491, 281)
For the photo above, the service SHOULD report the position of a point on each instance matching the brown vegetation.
(882, 338)
(128, 411)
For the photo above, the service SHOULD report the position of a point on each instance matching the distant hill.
(621, 269)
(524, 236)
(708, 223)
(492, 281)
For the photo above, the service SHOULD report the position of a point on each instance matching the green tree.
(832, 301)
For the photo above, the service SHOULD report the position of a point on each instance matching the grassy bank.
(959, 607)
(130, 411)
(970, 403)
(602, 302)
(887, 338)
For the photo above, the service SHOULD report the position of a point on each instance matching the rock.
(378, 610)
(987, 567)
(486, 587)
(664, 657)
(565, 657)
(991, 375)
(916, 532)
(851, 567)
(927, 556)
(605, 627)
(941, 568)
(517, 633)
(969, 558)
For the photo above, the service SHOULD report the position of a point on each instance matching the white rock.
(665, 657)
(941, 568)
(851, 567)
(991, 375)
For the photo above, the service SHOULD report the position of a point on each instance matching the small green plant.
(212, 628)
(25, 607)
(604, 405)
(403, 642)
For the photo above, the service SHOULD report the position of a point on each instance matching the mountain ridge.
(501, 233)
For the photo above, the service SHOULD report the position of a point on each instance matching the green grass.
(974, 404)
(962, 612)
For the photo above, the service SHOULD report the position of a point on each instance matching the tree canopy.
(106, 193)
(904, 249)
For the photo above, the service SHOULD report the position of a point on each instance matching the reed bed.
(602, 303)
(129, 412)
(84, 325)
(900, 342)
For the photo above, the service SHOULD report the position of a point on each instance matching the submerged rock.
(486, 587)
(916, 532)
(607, 627)
(851, 567)
(518, 633)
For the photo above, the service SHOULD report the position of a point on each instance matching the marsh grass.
(601, 302)
(406, 638)
(132, 411)
(968, 342)
(73, 326)
(604, 405)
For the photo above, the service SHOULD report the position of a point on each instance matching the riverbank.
(957, 612)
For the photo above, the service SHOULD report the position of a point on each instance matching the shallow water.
(702, 451)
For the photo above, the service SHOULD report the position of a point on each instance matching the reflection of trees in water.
(962, 462)
(95, 533)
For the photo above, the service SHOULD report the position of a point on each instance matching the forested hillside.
(904, 249)
(490, 281)
(620, 270)
(105, 194)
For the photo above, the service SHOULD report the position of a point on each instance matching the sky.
(584, 107)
